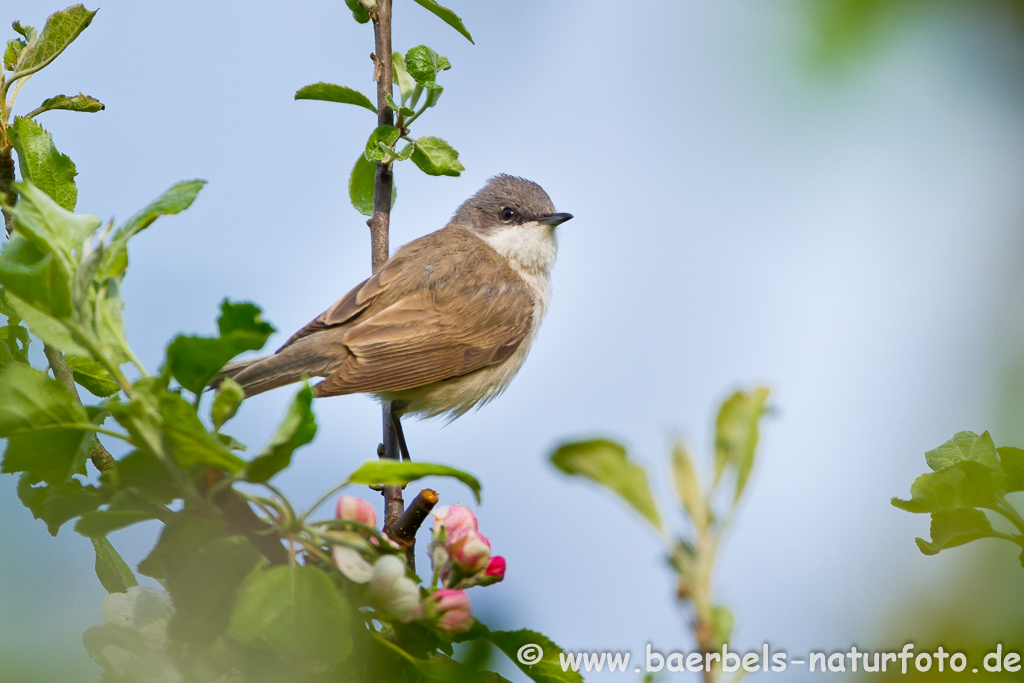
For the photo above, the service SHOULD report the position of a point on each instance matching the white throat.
(530, 249)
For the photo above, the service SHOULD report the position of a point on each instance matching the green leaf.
(447, 16)
(194, 361)
(225, 404)
(382, 135)
(40, 162)
(359, 13)
(189, 441)
(111, 569)
(397, 108)
(434, 156)
(48, 328)
(175, 200)
(687, 484)
(79, 102)
(57, 505)
(141, 473)
(26, 31)
(736, 434)
(964, 446)
(203, 566)
(37, 279)
(423, 64)
(13, 53)
(296, 612)
(399, 472)
(125, 509)
(329, 92)
(47, 431)
(722, 623)
(361, 186)
(965, 484)
(406, 83)
(60, 30)
(951, 528)
(51, 228)
(606, 463)
(297, 429)
(92, 376)
(548, 669)
(1012, 462)
(15, 339)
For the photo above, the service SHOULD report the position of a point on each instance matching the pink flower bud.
(356, 510)
(469, 550)
(450, 608)
(495, 571)
(453, 518)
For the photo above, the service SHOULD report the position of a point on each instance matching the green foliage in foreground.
(969, 476)
(240, 604)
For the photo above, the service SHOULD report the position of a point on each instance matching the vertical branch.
(381, 220)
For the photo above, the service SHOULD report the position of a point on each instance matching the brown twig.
(380, 221)
(63, 373)
(403, 531)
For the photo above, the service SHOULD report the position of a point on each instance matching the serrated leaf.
(57, 505)
(15, 340)
(297, 429)
(329, 92)
(965, 484)
(40, 162)
(93, 376)
(736, 434)
(399, 472)
(422, 63)
(176, 199)
(47, 430)
(964, 446)
(606, 463)
(111, 569)
(194, 361)
(447, 16)
(230, 395)
(1011, 460)
(297, 613)
(386, 135)
(79, 102)
(951, 528)
(406, 83)
(35, 278)
(548, 669)
(60, 30)
(13, 52)
(189, 441)
(687, 484)
(397, 108)
(46, 327)
(51, 228)
(434, 156)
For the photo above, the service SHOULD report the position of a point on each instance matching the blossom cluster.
(460, 555)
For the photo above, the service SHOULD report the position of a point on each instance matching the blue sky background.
(851, 238)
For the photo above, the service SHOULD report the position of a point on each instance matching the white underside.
(530, 249)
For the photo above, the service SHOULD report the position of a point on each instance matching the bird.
(444, 325)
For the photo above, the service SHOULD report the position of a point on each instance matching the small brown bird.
(445, 325)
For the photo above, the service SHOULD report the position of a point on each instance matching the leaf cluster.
(692, 556)
(970, 478)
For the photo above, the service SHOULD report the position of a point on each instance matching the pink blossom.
(356, 510)
(451, 610)
(469, 550)
(495, 571)
(453, 518)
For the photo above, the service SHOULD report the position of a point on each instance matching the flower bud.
(451, 611)
(494, 572)
(356, 510)
(397, 593)
(453, 518)
(469, 549)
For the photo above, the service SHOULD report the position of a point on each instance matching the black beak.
(554, 218)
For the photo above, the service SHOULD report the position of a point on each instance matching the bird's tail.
(289, 365)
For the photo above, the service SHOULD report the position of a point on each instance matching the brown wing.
(446, 331)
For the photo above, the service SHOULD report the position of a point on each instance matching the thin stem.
(1008, 511)
(321, 500)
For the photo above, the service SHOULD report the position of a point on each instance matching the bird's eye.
(508, 214)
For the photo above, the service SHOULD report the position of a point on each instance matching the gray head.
(508, 201)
